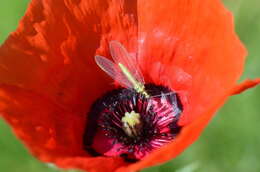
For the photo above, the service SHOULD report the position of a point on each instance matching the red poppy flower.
(57, 99)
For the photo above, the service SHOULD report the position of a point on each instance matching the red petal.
(47, 129)
(49, 77)
(99, 164)
(197, 37)
(199, 40)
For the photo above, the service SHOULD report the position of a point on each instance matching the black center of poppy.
(126, 123)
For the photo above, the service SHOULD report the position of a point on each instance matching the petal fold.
(247, 84)
(52, 51)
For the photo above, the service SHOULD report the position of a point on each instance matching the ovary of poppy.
(49, 79)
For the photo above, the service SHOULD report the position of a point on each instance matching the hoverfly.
(124, 69)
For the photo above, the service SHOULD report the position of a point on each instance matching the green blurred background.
(231, 143)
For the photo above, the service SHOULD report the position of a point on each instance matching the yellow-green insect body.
(138, 86)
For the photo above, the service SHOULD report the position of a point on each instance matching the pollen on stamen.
(128, 124)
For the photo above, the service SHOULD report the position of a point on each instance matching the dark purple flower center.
(128, 124)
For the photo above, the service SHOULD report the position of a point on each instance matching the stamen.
(131, 123)
(128, 124)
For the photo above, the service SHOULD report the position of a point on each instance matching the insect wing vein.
(113, 71)
(120, 55)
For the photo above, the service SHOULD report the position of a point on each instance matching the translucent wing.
(113, 71)
(120, 55)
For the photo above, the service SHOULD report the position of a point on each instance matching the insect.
(124, 69)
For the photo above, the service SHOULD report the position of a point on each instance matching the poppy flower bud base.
(151, 123)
